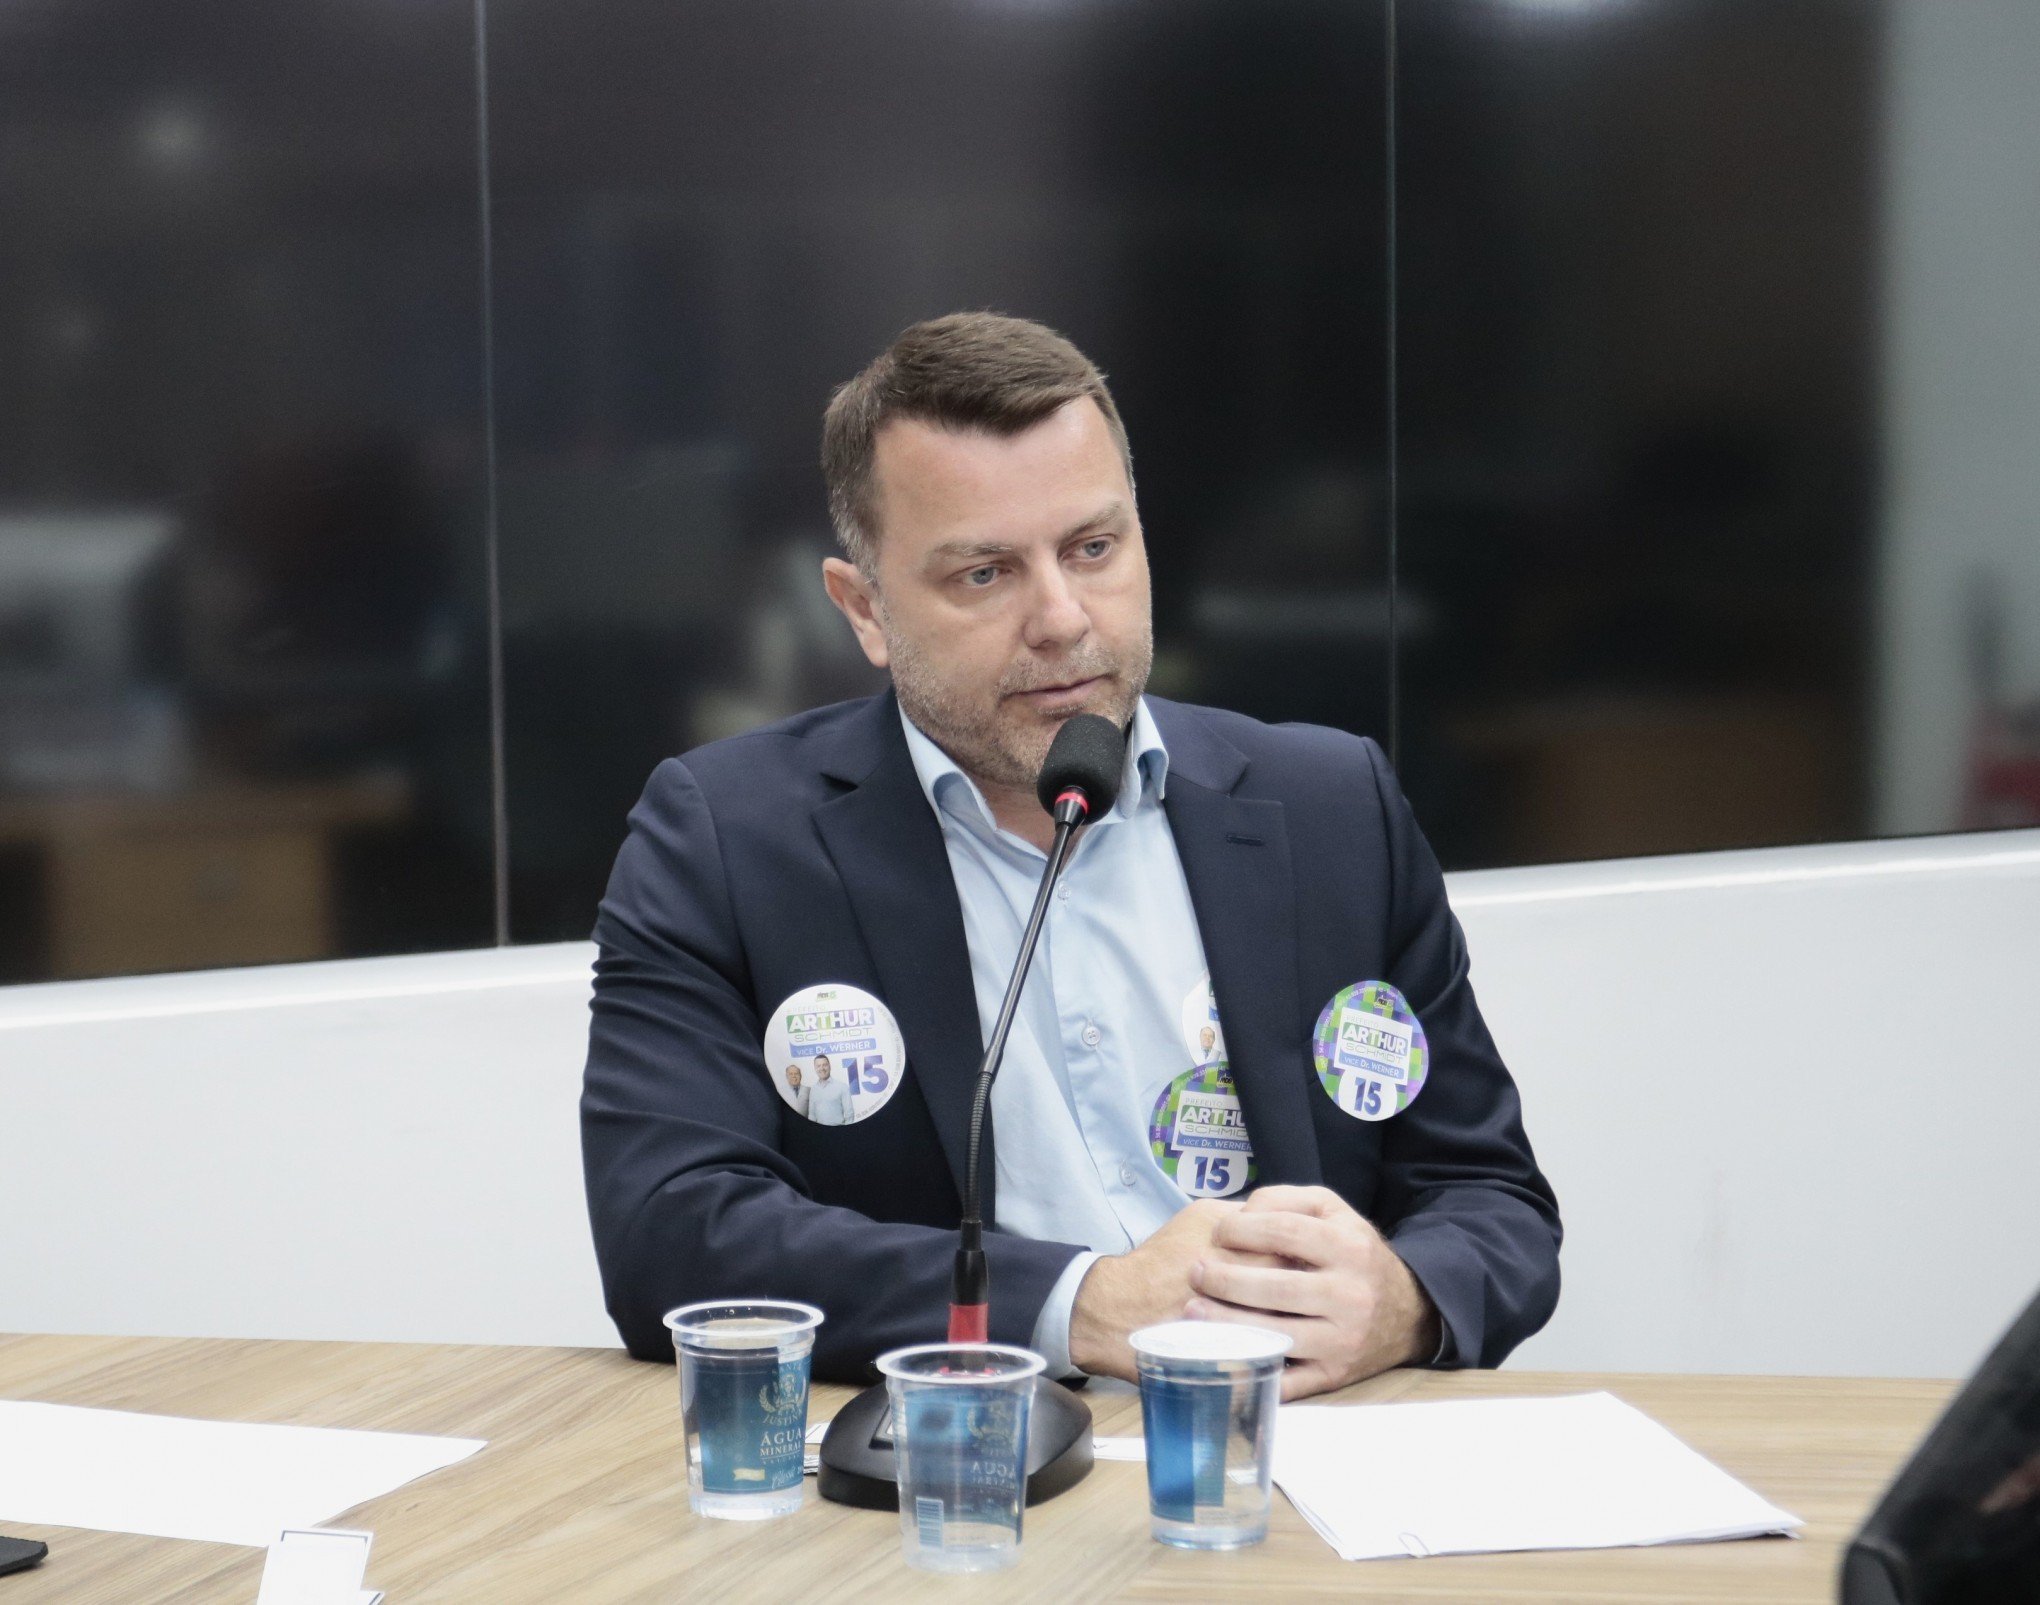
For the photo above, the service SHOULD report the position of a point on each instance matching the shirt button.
(1127, 1177)
(1092, 1037)
(1063, 891)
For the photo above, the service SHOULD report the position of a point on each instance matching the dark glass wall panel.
(1719, 376)
(1639, 411)
(708, 215)
(243, 711)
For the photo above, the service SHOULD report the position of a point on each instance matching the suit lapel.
(887, 847)
(1235, 856)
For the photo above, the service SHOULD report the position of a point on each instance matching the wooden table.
(580, 1498)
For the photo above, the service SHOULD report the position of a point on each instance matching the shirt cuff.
(1052, 1325)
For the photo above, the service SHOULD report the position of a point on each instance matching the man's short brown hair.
(967, 370)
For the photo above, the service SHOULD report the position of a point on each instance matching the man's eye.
(1097, 546)
(978, 578)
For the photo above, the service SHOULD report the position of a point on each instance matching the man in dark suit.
(994, 563)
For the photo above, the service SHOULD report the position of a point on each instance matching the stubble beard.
(997, 742)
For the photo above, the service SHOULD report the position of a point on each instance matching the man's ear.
(857, 598)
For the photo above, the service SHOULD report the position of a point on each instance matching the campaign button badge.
(1198, 1133)
(834, 1054)
(1369, 1051)
(1202, 1034)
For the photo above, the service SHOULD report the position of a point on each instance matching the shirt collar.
(950, 791)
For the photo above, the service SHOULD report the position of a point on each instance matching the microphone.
(1083, 768)
(1079, 780)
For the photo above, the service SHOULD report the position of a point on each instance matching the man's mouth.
(1052, 696)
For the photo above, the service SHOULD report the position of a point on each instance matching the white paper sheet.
(319, 1566)
(65, 1466)
(1470, 1475)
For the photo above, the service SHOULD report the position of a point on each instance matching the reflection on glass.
(1720, 373)
(239, 446)
(753, 196)
(1637, 424)
(1717, 381)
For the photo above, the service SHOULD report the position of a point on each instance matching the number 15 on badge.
(1369, 1051)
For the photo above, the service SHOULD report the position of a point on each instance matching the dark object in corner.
(1960, 1524)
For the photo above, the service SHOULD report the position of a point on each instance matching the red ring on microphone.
(1074, 794)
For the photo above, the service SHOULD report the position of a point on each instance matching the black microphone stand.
(969, 1311)
(857, 1453)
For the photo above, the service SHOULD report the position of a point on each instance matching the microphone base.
(857, 1453)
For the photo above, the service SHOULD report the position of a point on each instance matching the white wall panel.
(380, 1148)
(1790, 1101)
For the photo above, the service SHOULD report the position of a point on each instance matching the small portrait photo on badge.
(1202, 1034)
(834, 1054)
(1369, 1051)
(1198, 1134)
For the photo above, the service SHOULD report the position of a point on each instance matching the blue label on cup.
(1186, 1425)
(750, 1411)
(964, 1459)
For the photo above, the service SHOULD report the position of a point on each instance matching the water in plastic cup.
(960, 1445)
(743, 1397)
(1208, 1395)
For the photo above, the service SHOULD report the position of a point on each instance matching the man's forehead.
(939, 484)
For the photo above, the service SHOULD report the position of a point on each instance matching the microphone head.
(1088, 755)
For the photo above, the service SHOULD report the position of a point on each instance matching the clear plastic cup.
(743, 1397)
(1208, 1395)
(960, 1445)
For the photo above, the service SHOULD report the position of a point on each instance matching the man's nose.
(1057, 617)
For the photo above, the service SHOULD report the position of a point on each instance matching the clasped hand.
(1297, 1260)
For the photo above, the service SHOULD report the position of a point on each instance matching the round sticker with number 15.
(1369, 1051)
(1198, 1134)
(834, 1054)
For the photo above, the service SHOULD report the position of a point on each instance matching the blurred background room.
(1628, 411)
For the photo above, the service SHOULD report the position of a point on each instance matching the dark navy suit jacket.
(806, 853)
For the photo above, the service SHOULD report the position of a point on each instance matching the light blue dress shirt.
(1116, 1006)
(828, 1102)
